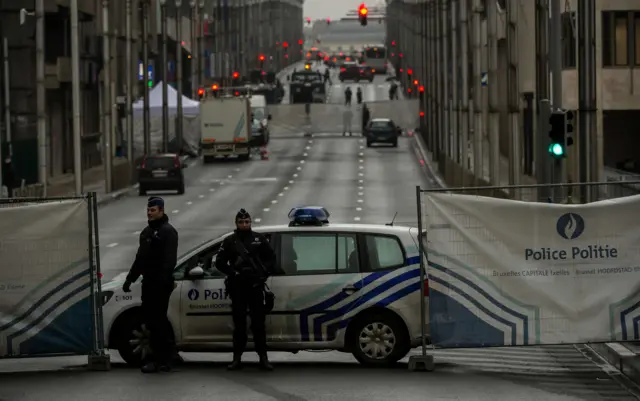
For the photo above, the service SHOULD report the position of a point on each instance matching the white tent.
(189, 106)
(190, 122)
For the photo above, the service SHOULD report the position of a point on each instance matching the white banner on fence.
(44, 278)
(505, 272)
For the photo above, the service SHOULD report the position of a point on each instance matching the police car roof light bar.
(308, 216)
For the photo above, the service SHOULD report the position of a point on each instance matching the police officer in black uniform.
(246, 258)
(155, 261)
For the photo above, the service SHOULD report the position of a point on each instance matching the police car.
(348, 287)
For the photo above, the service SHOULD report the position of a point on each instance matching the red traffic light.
(409, 71)
(261, 57)
(308, 20)
(236, 93)
(415, 82)
(363, 9)
(285, 44)
(422, 114)
(236, 75)
(215, 87)
(201, 92)
(421, 89)
(300, 42)
(393, 43)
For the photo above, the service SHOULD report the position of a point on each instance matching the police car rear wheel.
(379, 340)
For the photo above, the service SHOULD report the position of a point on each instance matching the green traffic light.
(150, 84)
(556, 149)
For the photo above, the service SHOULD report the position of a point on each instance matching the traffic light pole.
(543, 167)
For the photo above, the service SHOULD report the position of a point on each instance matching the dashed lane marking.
(114, 244)
(291, 181)
(359, 209)
(356, 218)
(266, 209)
(175, 211)
(257, 220)
(280, 194)
(274, 201)
(189, 203)
(200, 196)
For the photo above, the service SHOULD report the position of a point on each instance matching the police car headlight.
(105, 296)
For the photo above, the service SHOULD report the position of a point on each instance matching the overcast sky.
(334, 9)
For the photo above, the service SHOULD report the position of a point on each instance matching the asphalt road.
(357, 184)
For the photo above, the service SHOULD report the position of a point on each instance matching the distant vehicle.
(366, 73)
(260, 134)
(376, 57)
(160, 172)
(225, 126)
(382, 130)
(352, 71)
(307, 87)
(312, 54)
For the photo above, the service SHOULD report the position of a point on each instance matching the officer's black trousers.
(248, 298)
(155, 303)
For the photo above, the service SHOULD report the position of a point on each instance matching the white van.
(260, 122)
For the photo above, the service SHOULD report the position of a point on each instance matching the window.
(620, 38)
(569, 40)
(303, 253)
(384, 252)
(206, 259)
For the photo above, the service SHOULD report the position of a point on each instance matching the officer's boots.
(237, 362)
(264, 363)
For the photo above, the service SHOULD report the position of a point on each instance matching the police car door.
(315, 285)
(206, 309)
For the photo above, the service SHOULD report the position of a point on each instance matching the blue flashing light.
(308, 215)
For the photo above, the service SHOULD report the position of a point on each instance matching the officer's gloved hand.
(126, 287)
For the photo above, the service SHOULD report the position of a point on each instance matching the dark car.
(259, 133)
(161, 172)
(350, 71)
(366, 73)
(307, 86)
(382, 130)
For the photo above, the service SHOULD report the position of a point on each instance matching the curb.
(424, 156)
(620, 357)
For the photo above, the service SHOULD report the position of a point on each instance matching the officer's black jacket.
(157, 253)
(231, 263)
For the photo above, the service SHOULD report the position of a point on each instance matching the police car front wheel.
(379, 339)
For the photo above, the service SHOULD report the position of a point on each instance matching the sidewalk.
(623, 356)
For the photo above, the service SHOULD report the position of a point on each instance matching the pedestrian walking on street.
(247, 259)
(155, 260)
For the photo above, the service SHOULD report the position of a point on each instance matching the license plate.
(224, 147)
(159, 173)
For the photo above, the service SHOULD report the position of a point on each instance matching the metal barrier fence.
(50, 277)
(511, 273)
(291, 120)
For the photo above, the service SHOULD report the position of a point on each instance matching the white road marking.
(175, 211)
(299, 168)
(257, 220)
(137, 232)
(274, 201)
(261, 179)
(360, 193)
(301, 161)
(360, 154)
(360, 181)
(229, 176)
(305, 155)
(361, 167)
(310, 140)
(112, 245)
(359, 209)
(291, 181)
(361, 147)
(266, 209)
(307, 147)
(280, 194)
(360, 200)
(360, 140)
(200, 196)
(360, 161)
(189, 203)
(295, 175)
(211, 189)
(356, 218)
(237, 169)
(360, 174)
(360, 188)
(285, 188)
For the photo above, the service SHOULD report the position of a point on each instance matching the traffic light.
(421, 94)
(328, 21)
(214, 89)
(308, 21)
(300, 42)
(200, 93)
(362, 14)
(285, 44)
(235, 77)
(568, 127)
(261, 59)
(557, 126)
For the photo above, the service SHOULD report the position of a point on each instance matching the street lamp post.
(179, 73)
(165, 94)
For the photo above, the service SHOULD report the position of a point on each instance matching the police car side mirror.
(196, 273)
